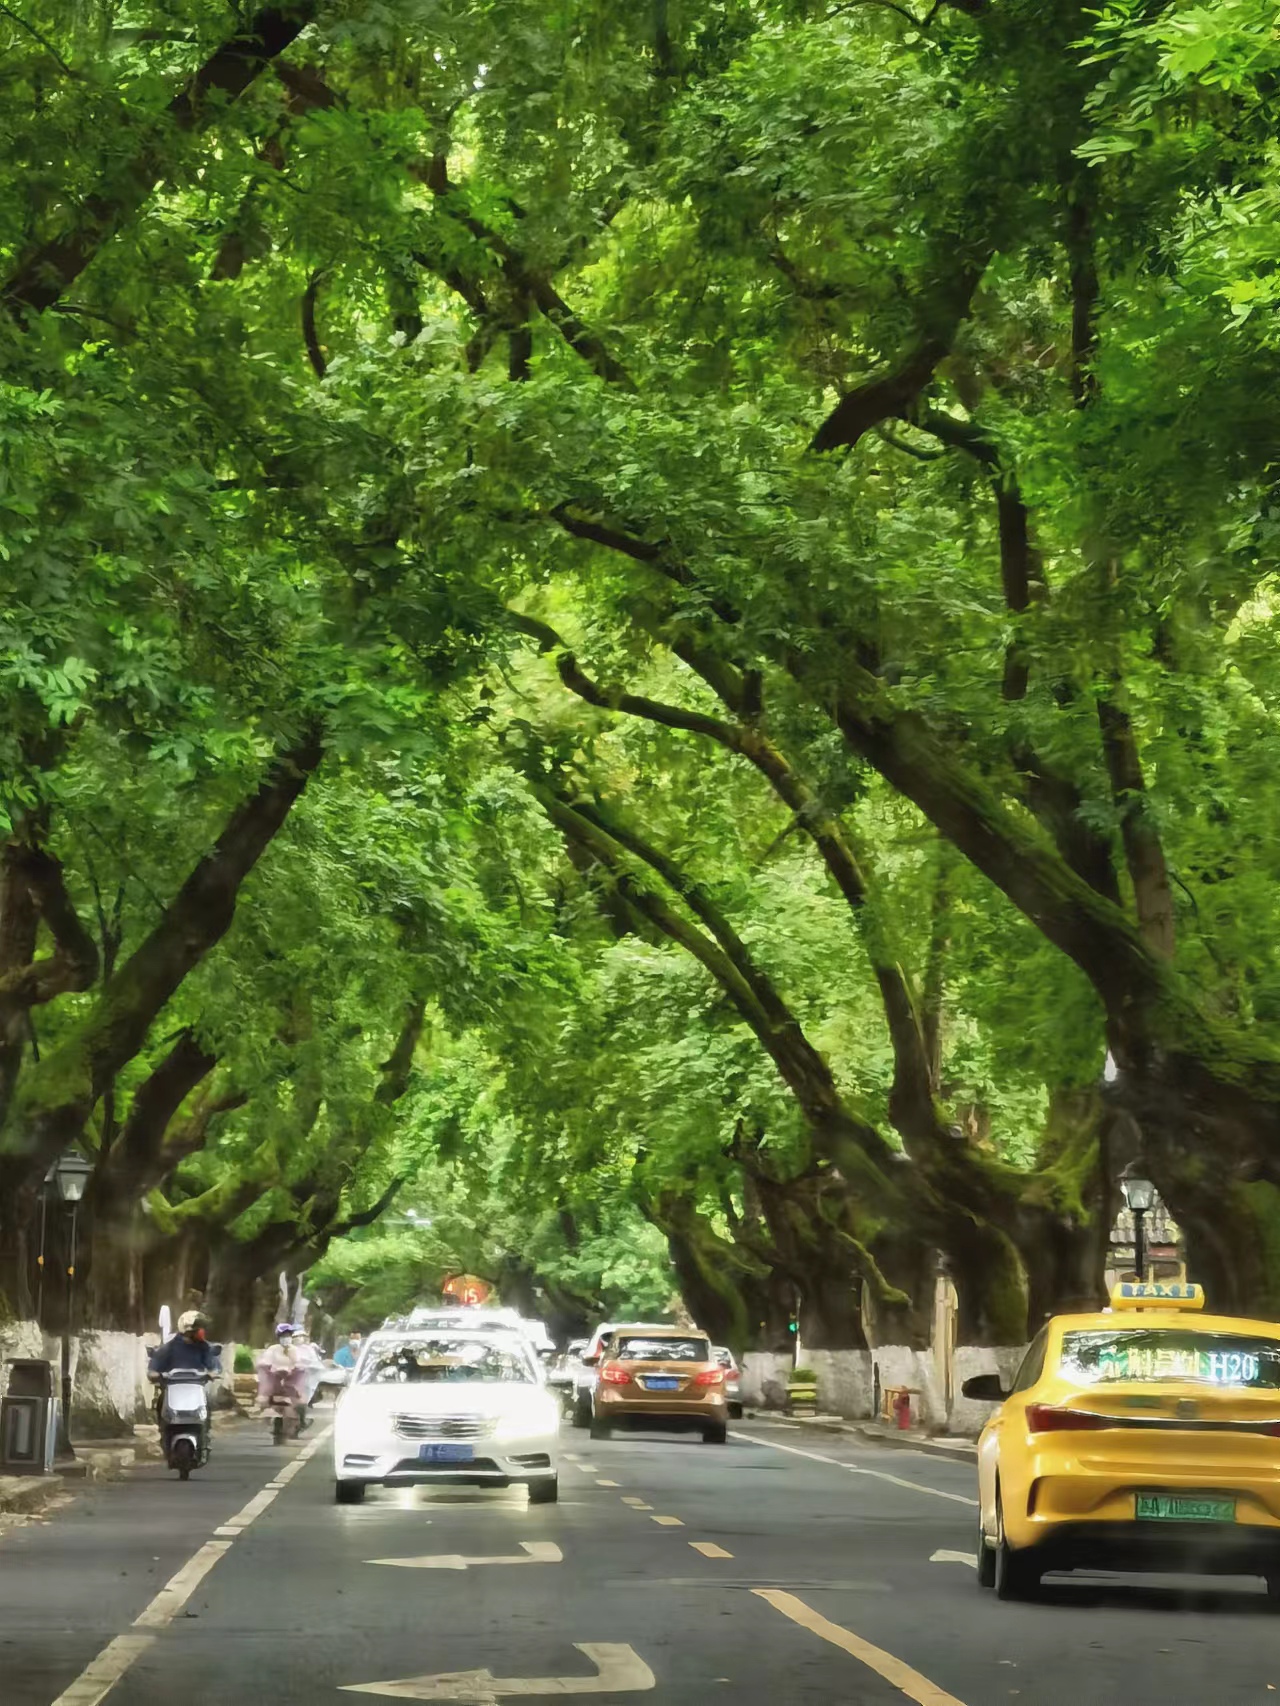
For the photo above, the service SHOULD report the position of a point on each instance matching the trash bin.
(28, 1420)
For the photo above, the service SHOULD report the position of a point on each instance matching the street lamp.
(69, 1176)
(1140, 1199)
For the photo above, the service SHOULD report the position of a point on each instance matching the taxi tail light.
(709, 1377)
(1051, 1419)
(613, 1374)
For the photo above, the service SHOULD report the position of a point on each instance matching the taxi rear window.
(1166, 1353)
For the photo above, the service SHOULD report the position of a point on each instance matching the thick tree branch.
(74, 964)
(155, 1103)
(53, 1105)
(310, 336)
(1144, 852)
(896, 387)
(49, 269)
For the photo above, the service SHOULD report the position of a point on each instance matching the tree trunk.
(55, 1098)
(831, 1311)
(19, 1240)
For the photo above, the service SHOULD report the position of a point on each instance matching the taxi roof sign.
(1155, 1293)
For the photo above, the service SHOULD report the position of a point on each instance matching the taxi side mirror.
(986, 1388)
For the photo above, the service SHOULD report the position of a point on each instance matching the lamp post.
(69, 1175)
(1140, 1199)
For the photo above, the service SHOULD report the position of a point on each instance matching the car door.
(999, 1424)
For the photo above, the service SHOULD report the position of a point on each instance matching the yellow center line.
(709, 1549)
(911, 1683)
(635, 1503)
(667, 1521)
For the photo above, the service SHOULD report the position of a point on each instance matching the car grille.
(442, 1427)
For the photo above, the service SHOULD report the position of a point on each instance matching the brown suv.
(661, 1377)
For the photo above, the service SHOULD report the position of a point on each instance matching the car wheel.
(600, 1430)
(582, 1411)
(348, 1492)
(1015, 1574)
(986, 1560)
(716, 1434)
(544, 1492)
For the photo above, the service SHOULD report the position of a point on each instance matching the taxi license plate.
(661, 1383)
(446, 1453)
(1178, 1507)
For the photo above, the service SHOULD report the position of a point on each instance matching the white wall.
(17, 1339)
(846, 1383)
(968, 1416)
(764, 1379)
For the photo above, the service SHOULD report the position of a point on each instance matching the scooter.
(184, 1420)
(287, 1406)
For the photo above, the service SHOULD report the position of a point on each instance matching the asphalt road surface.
(786, 1567)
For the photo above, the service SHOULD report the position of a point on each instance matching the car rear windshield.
(1171, 1353)
(630, 1347)
(446, 1357)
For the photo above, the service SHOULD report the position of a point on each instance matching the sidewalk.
(900, 1439)
(95, 1460)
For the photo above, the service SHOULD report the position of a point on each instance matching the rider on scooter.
(281, 1374)
(189, 1348)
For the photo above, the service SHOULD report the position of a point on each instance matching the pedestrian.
(311, 1363)
(348, 1355)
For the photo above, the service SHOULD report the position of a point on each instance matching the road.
(786, 1567)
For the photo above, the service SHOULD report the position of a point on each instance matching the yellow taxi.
(1143, 1437)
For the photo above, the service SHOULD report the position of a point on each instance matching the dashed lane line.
(667, 1521)
(100, 1676)
(857, 1469)
(709, 1549)
(893, 1670)
(635, 1503)
(608, 1483)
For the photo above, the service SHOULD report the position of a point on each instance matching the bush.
(244, 1360)
(802, 1377)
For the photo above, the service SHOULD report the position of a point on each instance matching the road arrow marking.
(539, 1552)
(944, 1557)
(620, 1670)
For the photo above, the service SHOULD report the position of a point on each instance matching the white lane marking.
(100, 1676)
(856, 1469)
(619, 1668)
(667, 1521)
(911, 1683)
(608, 1483)
(538, 1552)
(253, 1510)
(945, 1557)
(709, 1549)
(179, 1589)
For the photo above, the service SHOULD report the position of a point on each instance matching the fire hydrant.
(902, 1409)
